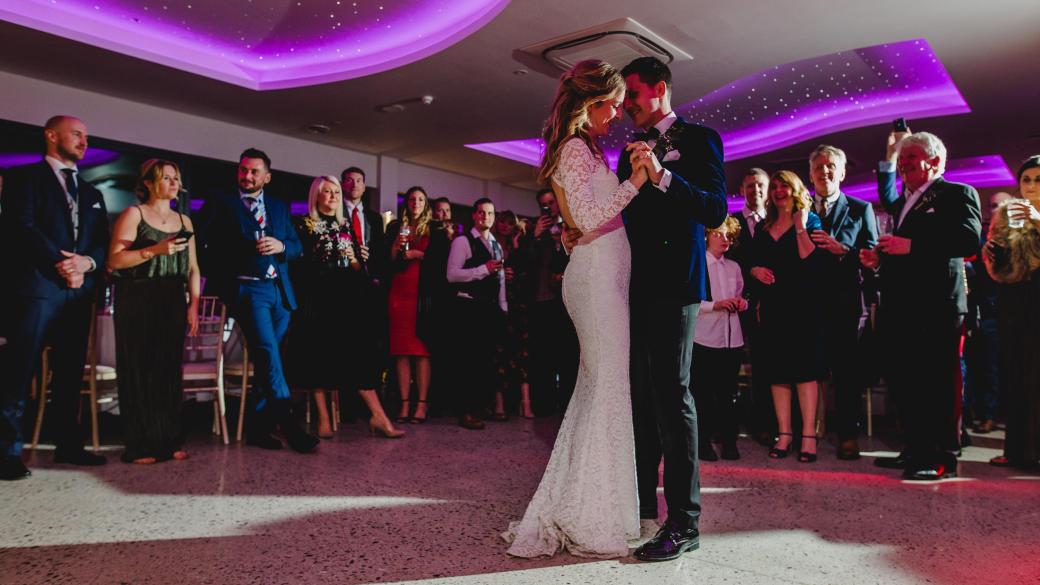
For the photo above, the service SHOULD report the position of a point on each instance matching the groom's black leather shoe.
(669, 543)
(12, 468)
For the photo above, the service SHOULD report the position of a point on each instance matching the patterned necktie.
(73, 199)
(258, 211)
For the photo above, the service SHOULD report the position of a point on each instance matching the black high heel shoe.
(415, 419)
(804, 457)
(404, 417)
(776, 453)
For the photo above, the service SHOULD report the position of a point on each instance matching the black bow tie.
(651, 134)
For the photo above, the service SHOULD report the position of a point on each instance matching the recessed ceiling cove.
(263, 44)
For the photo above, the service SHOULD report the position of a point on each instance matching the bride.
(586, 502)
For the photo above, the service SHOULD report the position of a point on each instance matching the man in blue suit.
(248, 240)
(668, 283)
(58, 224)
(849, 226)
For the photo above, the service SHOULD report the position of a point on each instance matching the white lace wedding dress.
(586, 502)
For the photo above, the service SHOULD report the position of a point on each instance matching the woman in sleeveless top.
(154, 266)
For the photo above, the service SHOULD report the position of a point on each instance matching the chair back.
(204, 352)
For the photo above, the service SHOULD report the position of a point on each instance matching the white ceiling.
(989, 48)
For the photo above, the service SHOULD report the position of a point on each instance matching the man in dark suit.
(665, 225)
(249, 240)
(366, 355)
(754, 187)
(849, 226)
(60, 225)
(923, 297)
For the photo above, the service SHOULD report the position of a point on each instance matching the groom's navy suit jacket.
(666, 229)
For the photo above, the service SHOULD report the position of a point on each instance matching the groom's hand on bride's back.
(571, 237)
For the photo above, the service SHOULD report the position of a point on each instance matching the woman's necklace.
(164, 217)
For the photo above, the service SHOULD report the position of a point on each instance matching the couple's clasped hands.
(645, 165)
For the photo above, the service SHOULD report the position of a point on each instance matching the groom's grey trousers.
(663, 411)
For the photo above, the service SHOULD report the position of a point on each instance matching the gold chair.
(203, 369)
(96, 377)
(240, 370)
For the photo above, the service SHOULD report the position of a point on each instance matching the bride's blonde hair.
(589, 82)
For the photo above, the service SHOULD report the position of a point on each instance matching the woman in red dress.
(410, 236)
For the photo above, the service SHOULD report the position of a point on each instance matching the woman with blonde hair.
(156, 271)
(1012, 258)
(586, 502)
(782, 265)
(320, 280)
(409, 238)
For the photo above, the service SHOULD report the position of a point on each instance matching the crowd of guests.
(471, 322)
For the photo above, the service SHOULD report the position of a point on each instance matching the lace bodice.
(593, 195)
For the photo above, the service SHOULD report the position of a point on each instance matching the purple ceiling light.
(790, 103)
(263, 44)
(978, 171)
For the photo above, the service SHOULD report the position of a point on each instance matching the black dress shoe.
(848, 450)
(707, 452)
(669, 543)
(78, 457)
(263, 440)
(730, 452)
(468, 421)
(12, 468)
(898, 462)
(300, 440)
(930, 473)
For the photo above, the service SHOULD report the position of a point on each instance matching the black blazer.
(666, 230)
(37, 225)
(944, 226)
(227, 236)
(854, 225)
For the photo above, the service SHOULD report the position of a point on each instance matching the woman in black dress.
(152, 256)
(320, 327)
(782, 265)
(1012, 257)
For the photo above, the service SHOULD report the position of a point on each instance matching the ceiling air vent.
(616, 42)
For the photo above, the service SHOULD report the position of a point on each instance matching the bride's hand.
(639, 175)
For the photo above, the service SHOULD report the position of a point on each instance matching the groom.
(665, 225)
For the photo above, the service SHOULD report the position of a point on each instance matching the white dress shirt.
(753, 219)
(460, 253)
(720, 328)
(57, 167)
(912, 199)
(662, 126)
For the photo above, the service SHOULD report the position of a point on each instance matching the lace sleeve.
(574, 174)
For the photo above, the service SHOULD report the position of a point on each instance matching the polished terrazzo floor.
(428, 509)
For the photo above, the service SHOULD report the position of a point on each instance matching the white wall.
(464, 190)
(32, 101)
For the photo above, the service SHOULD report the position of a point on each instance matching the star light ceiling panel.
(263, 44)
(787, 104)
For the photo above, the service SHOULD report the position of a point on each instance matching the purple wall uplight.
(263, 44)
(790, 103)
(978, 171)
(93, 157)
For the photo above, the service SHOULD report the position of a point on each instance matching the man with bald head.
(59, 224)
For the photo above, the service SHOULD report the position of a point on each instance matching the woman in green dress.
(152, 256)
